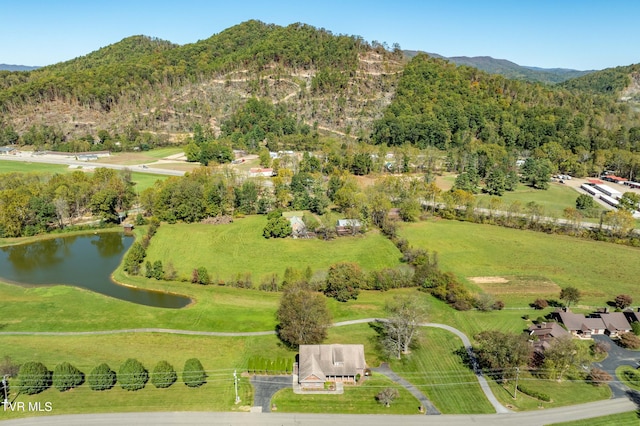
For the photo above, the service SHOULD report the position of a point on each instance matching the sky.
(576, 34)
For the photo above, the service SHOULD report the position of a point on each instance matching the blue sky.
(586, 34)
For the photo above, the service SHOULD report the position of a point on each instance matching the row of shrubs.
(260, 365)
(35, 377)
(533, 393)
(138, 251)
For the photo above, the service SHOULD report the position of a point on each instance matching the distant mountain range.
(510, 69)
(7, 67)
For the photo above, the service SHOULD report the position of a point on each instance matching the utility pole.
(515, 391)
(235, 382)
(5, 400)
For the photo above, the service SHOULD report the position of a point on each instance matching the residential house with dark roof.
(616, 323)
(579, 325)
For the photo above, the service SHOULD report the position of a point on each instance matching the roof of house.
(7, 148)
(330, 360)
(578, 322)
(615, 321)
(551, 329)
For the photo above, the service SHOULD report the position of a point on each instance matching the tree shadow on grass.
(634, 396)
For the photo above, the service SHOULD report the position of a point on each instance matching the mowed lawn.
(239, 248)
(360, 399)
(220, 356)
(600, 270)
(438, 371)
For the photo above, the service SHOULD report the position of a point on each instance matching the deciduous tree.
(343, 281)
(303, 316)
(570, 295)
(405, 314)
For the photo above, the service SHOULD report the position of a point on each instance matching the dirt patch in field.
(488, 280)
(516, 285)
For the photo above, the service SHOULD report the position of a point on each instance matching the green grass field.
(23, 167)
(562, 393)
(599, 270)
(238, 248)
(555, 199)
(360, 399)
(441, 375)
(142, 180)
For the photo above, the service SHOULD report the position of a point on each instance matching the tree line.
(35, 203)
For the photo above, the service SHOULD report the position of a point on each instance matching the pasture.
(555, 199)
(240, 248)
(599, 270)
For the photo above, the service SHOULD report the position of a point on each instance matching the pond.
(85, 261)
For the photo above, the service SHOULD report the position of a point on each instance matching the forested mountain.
(143, 84)
(510, 69)
(456, 108)
(621, 82)
(258, 83)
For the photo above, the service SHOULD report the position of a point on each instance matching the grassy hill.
(240, 248)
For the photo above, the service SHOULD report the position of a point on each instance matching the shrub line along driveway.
(484, 385)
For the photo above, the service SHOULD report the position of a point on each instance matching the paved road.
(530, 418)
(617, 356)
(265, 387)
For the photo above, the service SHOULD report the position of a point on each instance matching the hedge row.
(34, 377)
(534, 394)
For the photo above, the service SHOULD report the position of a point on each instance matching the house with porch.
(318, 364)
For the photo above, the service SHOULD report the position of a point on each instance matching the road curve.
(528, 418)
(484, 385)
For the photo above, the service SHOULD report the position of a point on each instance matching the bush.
(8, 367)
(540, 304)
(599, 377)
(193, 374)
(132, 375)
(102, 378)
(635, 326)
(163, 375)
(623, 301)
(66, 376)
(33, 378)
(534, 394)
(629, 341)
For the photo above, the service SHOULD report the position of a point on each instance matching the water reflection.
(85, 261)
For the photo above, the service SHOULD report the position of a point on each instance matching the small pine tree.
(163, 375)
(66, 376)
(158, 272)
(193, 374)
(33, 378)
(102, 378)
(132, 375)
